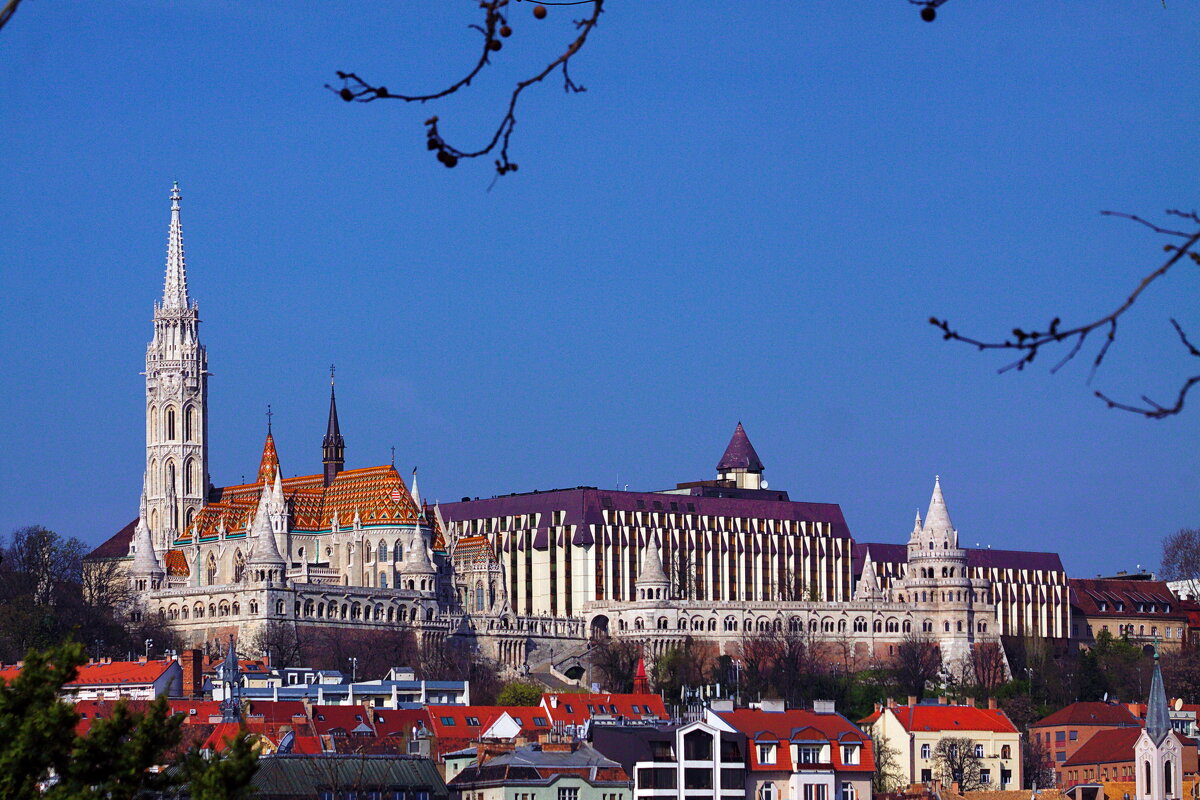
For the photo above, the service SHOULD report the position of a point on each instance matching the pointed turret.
(333, 446)
(141, 548)
(268, 465)
(937, 519)
(641, 685)
(175, 291)
(740, 463)
(652, 582)
(230, 674)
(1158, 717)
(416, 494)
(265, 560)
(868, 582)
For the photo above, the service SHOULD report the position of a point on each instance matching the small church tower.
(333, 446)
(176, 401)
(1158, 752)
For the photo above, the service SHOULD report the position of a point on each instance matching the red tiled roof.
(115, 546)
(176, 563)
(91, 710)
(276, 711)
(1105, 747)
(1090, 713)
(197, 711)
(576, 709)
(953, 718)
(801, 725)
(113, 673)
(398, 722)
(341, 720)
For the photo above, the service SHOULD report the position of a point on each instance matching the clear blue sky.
(749, 215)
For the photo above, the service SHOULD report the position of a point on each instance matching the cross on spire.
(269, 415)
(332, 368)
(393, 455)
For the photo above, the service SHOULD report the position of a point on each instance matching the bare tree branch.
(495, 27)
(7, 10)
(1031, 342)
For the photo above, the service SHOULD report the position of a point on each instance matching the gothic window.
(383, 552)
(878, 626)
(199, 611)
(189, 424)
(927, 626)
(239, 567)
(398, 551)
(479, 596)
(382, 580)
(947, 625)
(841, 626)
(908, 626)
(712, 624)
(170, 424)
(253, 606)
(211, 572)
(212, 609)
(188, 516)
(279, 608)
(187, 477)
(152, 423)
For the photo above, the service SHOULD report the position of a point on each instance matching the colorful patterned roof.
(377, 494)
(474, 551)
(176, 563)
(269, 464)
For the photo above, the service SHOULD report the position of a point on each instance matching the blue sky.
(748, 216)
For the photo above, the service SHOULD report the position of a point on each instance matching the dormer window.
(766, 753)
(1103, 606)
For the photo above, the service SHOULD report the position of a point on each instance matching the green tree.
(42, 758)
(519, 693)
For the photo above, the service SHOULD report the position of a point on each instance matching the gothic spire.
(652, 574)
(333, 446)
(145, 560)
(1158, 718)
(268, 466)
(175, 292)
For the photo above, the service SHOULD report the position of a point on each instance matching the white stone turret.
(416, 494)
(417, 570)
(652, 582)
(265, 562)
(937, 519)
(146, 572)
(868, 583)
(176, 401)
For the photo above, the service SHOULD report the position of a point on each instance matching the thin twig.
(1029, 343)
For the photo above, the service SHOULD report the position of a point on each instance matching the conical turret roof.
(937, 519)
(268, 466)
(145, 560)
(740, 454)
(652, 569)
(263, 550)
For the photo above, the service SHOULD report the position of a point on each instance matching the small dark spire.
(333, 447)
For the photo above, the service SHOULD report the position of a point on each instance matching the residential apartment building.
(915, 731)
(699, 760)
(1143, 611)
(798, 754)
(1063, 733)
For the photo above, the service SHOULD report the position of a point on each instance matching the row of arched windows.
(170, 427)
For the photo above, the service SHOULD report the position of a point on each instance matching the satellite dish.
(764, 484)
(1178, 704)
(1106, 697)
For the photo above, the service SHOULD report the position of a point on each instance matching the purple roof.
(740, 453)
(982, 558)
(584, 507)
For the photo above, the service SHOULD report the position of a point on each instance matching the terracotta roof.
(276, 711)
(1105, 747)
(176, 563)
(953, 718)
(112, 673)
(1089, 713)
(800, 725)
(342, 720)
(197, 711)
(455, 727)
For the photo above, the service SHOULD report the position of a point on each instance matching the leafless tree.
(681, 568)
(791, 586)
(987, 665)
(1181, 559)
(495, 28)
(918, 661)
(614, 661)
(104, 584)
(1036, 763)
(888, 775)
(38, 562)
(282, 641)
(955, 761)
(1030, 341)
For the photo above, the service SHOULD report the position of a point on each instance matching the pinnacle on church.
(175, 291)
(145, 560)
(416, 494)
(1158, 717)
(263, 549)
(333, 446)
(937, 518)
(740, 454)
(268, 466)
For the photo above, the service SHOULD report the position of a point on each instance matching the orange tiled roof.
(378, 494)
(474, 551)
(176, 563)
(109, 673)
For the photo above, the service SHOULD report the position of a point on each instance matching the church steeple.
(176, 401)
(333, 447)
(175, 291)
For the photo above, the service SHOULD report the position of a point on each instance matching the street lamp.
(353, 668)
(149, 644)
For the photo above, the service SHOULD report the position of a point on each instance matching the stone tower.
(176, 402)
